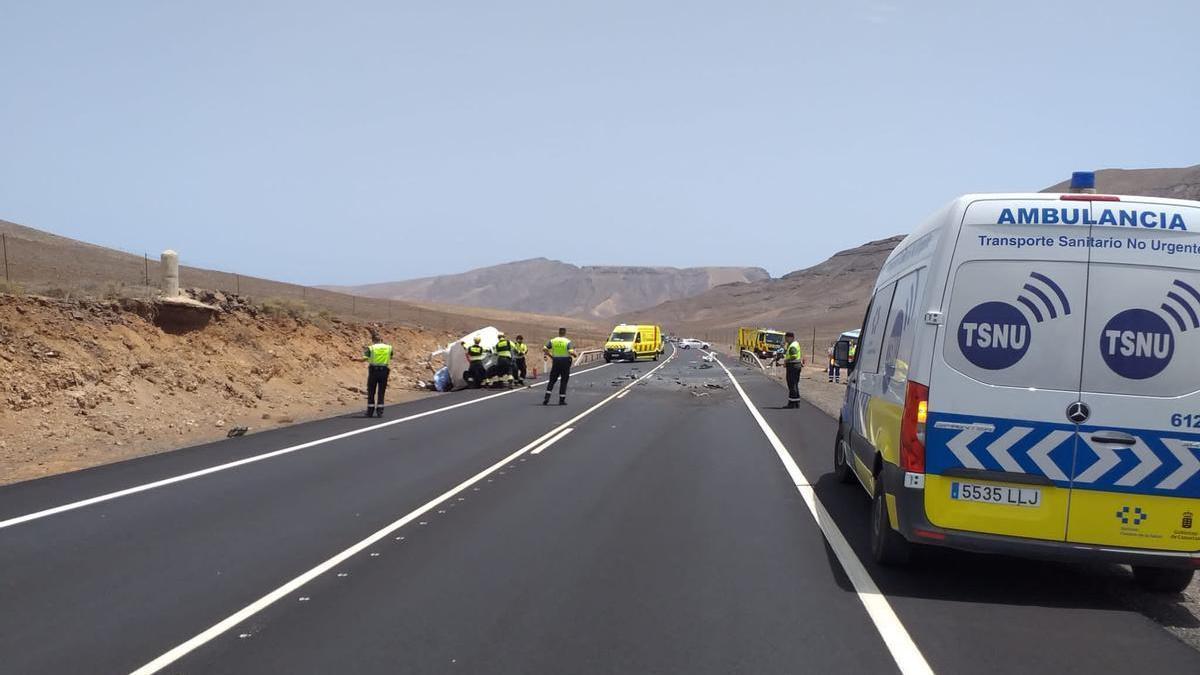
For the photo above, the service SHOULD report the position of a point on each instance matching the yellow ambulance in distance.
(632, 342)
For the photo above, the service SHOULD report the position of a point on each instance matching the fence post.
(813, 358)
(237, 283)
(6, 277)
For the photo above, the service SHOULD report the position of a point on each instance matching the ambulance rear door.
(999, 445)
(1137, 471)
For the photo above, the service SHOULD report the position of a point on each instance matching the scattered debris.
(237, 431)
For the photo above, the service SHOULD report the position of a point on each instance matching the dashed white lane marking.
(181, 650)
(538, 450)
(905, 652)
(17, 520)
(622, 394)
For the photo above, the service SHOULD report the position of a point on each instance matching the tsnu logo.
(995, 335)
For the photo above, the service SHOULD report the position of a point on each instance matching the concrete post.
(170, 278)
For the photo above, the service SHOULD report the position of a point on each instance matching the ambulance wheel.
(1162, 579)
(607, 358)
(841, 458)
(887, 546)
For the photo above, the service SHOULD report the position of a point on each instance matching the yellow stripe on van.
(1134, 521)
(1042, 522)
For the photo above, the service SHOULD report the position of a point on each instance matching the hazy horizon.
(326, 143)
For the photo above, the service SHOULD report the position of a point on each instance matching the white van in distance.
(1028, 382)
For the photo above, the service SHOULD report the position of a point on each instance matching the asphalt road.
(664, 533)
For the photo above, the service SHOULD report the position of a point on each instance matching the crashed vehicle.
(457, 362)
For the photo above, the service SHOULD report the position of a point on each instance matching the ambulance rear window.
(1143, 330)
(1017, 323)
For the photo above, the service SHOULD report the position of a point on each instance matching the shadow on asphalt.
(937, 573)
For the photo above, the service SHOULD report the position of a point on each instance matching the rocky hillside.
(830, 296)
(553, 287)
(88, 382)
(1174, 183)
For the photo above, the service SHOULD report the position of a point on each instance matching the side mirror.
(841, 355)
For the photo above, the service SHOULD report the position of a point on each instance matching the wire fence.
(49, 265)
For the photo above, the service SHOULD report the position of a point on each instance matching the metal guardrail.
(588, 356)
(749, 358)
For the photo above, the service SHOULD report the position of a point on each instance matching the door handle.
(1114, 438)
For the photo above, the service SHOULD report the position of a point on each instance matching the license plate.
(996, 494)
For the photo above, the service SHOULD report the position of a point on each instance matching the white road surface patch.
(905, 652)
(231, 621)
(538, 450)
(249, 460)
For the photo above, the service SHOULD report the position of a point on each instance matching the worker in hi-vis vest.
(561, 353)
(378, 356)
(519, 351)
(475, 354)
(793, 361)
(504, 359)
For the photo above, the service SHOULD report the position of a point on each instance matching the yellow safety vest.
(379, 354)
(559, 347)
(793, 354)
(521, 348)
(504, 348)
(853, 350)
(475, 353)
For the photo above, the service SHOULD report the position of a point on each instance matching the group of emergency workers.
(511, 369)
(510, 362)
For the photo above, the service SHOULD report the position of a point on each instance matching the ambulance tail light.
(912, 427)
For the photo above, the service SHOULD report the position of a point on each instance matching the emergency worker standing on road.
(504, 362)
(475, 354)
(561, 352)
(793, 361)
(378, 356)
(519, 351)
(835, 371)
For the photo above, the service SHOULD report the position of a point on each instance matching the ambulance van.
(634, 341)
(1028, 383)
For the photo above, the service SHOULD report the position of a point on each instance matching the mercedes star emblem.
(1078, 412)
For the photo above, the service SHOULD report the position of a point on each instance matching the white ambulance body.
(1028, 382)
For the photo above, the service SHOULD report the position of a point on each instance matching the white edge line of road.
(17, 520)
(622, 394)
(538, 450)
(904, 651)
(265, 601)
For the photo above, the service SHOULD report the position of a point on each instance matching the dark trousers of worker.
(519, 368)
(377, 377)
(835, 373)
(476, 373)
(560, 368)
(793, 384)
(504, 367)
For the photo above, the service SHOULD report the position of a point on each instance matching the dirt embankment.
(89, 382)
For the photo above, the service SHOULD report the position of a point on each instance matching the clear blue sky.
(344, 142)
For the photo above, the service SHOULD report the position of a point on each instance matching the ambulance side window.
(872, 338)
(898, 329)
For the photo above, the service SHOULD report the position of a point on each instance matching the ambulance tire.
(888, 547)
(607, 358)
(841, 458)
(1162, 579)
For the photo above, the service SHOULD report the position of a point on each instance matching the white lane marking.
(181, 650)
(622, 394)
(538, 450)
(904, 651)
(17, 520)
